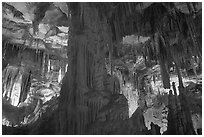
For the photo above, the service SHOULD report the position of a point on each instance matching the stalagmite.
(193, 34)
(171, 121)
(179, 117)
(138, 121)
(188, 128)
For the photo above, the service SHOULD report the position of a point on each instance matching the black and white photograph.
(101, 68)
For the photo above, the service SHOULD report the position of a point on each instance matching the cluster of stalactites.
(16, 81)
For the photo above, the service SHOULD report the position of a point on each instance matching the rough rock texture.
(24, 89)
(90, 102)
(16, 84)
(155, 129)
(88, 37)
(179, 117)
(12, 115)
(138, 122)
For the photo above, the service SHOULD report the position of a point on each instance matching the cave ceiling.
(45, 26)
(22, 26)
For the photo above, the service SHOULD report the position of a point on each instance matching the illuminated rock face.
(156, 116)
(16, 84)
(197, 122)
(131, 96)
(15, 96)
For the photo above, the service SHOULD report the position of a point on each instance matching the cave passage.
(86, 68)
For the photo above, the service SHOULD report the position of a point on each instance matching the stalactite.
(179, 74)
(43, 65)
(116, 30)
(46, 64)
(25, 84)
(193, 34)
(49, 63)
(11, 75)
(66, 67)
(176, 61)
(162, 61)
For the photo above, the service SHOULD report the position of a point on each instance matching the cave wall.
(16, 55)
(85, 99)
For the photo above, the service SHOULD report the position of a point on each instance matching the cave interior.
(115, 68)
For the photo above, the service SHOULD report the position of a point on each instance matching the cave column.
(86, 66)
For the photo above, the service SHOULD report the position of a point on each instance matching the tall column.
(88, 37)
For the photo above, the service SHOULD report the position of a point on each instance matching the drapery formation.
(88, 39)
(16, 84)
